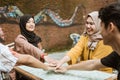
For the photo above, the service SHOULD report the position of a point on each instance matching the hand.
(62, 61)
(50, 61)
(59, 64)
(50, 68)
(61, 70)
(55, 63)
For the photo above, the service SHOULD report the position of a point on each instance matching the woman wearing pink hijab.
(90, 46)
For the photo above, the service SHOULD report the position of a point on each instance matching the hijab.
(96, 37)
(29, 35)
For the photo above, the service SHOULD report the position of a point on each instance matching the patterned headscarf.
(29, 35)
(96, 37)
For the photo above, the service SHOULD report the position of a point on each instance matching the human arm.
(101, 51)
(29, 60)
(73, 55)
(78, 50)
(24, 47)
(85, 65)
(108, 61)
(62, 61)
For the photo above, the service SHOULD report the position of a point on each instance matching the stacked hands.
(55, 65)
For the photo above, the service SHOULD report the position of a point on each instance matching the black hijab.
(29, 35)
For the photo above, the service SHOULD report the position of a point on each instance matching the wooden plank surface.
(39, 74)
(25, 73)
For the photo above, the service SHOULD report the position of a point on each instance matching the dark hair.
(2, 40)
(110, 13)
(24, 19)
(29, 35)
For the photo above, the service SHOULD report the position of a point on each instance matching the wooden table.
(39, 74)
(27, 74)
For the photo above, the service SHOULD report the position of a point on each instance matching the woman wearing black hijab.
(25, 30)
(28, 42)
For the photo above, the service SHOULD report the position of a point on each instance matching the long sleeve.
(7, 60)
(76, 51)
(101, 51)
(82, 51)
(24, 47)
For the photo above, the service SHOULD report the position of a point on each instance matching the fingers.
(52, 62)
(51, 68)
(58, 65)
(60, 70)
(57, 70)
(52, 65)
(55, 65)
(49, 59)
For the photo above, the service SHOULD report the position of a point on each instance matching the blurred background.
(53, 36)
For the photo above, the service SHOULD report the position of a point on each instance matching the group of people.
(97, 48)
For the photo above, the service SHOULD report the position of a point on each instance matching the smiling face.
(30, 25)
(107, 34)
(90, 26)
